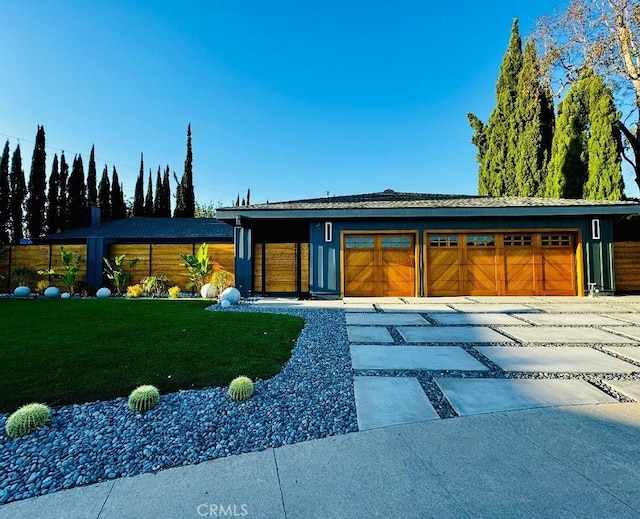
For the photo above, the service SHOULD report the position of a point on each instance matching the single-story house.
(416, 244)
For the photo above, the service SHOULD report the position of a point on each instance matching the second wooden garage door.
(500, 264)
(379, 265)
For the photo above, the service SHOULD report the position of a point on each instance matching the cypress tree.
(18, 193)
(76, 193)
(63, 209)
(166, 194)
(604, 173)
(92, 174)
(187, 180)
(567, 170)
(534, 126)
(248, 196)
(138, 197)
(501, 155)
(5, 196)
(157, 200)
(479, 140)
(118, 208)
(148, 201)
(104, 196)
(180, 210)
(53, 210)
(36, 198)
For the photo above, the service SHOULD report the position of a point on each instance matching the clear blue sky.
(289, 98)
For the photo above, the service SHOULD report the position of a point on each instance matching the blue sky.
(291, 99)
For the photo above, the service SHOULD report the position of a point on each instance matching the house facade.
(423, 245)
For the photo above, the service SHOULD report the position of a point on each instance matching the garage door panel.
(481, 271)
(443, 269)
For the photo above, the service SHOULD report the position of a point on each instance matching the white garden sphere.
(231, 294)
(65, 295)
(22, 291)
(207, 291)
(103, 293)
(225, 304)
(52, 292)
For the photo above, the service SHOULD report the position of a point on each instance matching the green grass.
(61, 352)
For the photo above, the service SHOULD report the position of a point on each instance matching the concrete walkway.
(554, 462)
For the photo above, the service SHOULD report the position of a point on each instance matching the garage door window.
(359, 242)
(556, 240)
(485, 240)
(518, 240)
(443, 241)
(396, 242)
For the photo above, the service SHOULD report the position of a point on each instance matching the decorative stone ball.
(225, 304)
(207, 291)
(231, 294)
(65, 295)
(103, 293)
(22, 291)
(52, 292)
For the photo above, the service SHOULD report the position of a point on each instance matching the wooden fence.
(38, 257)
(626, 258)
(281, 268)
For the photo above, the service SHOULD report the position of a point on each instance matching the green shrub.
(27, 419)
(23, 274)
(241, 388)
(155, 285)
(198, 267)
(115, 270)
(222, 280)
(144, 398)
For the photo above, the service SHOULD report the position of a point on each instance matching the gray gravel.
(312, 397)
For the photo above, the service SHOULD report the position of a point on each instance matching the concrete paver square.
(574, 335)
(422, 308)
(631, 388)
(432, 358)
(507, 299)
(358, 308)
(447, 334)
(379, 319)
(577, 307)
(471, 318)
(571, 319)
(631, 331)
(497, 308)
(369, 334)
(631, 307)
(384, 401)
(627, 318)
(631, 352)
(552, 359)
(438, 300)
(374, 300)
(487, 395)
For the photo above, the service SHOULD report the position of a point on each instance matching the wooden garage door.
(519, 265)
(558, 264)
(444, 275)
(379, 265)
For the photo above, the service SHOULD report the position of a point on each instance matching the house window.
(396, 242)
(447, 240)
(556, 240)
(518, 240)
(328, 232)
(358, 242)
(595, 229)
(484, 240)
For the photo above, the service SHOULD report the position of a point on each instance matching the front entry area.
(485, 264)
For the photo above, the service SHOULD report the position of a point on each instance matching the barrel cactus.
(144, 398)
(241, 388)
(27, 419)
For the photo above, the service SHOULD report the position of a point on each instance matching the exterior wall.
(325, 258)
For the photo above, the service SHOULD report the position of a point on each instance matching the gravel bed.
(312, 397)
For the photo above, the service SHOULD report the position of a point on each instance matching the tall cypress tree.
(5, 196)
(76, 193)
(180, 210)
(166, 194)
(118, 208)
(249, 196)
(104, 196)
(187, 179)
(63, 209)
(18, 193)
(157, 200)
(138, 197)
(36, 198)
(92, 174)
(52, 225)
(534, 126)
(148, 201)
(479, 140)
(604, 172)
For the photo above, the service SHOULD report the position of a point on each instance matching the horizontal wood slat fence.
(626, 258)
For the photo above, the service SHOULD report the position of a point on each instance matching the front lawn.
(72, 351)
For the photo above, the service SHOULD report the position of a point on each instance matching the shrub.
(134, 291)
(222, 280)
(241, 388)
(71, 267)
(27, 419)
(23, 274)
(174, 292)
(42, 285)
(115, 271)
(198, 267)
(144, 398)
(155, 285)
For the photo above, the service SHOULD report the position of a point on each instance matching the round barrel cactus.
(241, 388)
(27, 419)
(144, 398)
